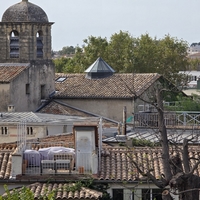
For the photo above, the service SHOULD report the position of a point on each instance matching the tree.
(61, 64)
(67, 50)
(126, 54)
(194, 64)
(165, 56)
(121, 52)
(94, 47)
(178, 170)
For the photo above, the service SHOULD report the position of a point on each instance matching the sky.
(76, 20)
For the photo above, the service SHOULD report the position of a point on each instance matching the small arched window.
(39, 44)
(14, 44)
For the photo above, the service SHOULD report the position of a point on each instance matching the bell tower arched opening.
(14, 44)
(39, 44)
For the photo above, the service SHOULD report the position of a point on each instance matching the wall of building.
(110, 108)
(133, 191)
(4, 96)
(27, 39)
(39, 131)
(36, 76)
(12, 132)
(40, 75)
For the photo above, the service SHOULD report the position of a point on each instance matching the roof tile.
(9, 72)
(115, 86)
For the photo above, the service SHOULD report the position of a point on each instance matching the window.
(29, 131)
(27, 88)
(39, 45)
(4, 130)
(118, 194)
(61, 79)
(14, 44)
(151, 194)
(42, 91)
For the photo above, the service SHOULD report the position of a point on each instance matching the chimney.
(11, 108)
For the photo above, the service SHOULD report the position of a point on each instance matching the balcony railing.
(44, 161)
(172, 119)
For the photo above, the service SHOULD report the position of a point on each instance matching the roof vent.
(11, 108)
(99, 69)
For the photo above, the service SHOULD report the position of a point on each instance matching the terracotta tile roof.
(116, 162)
(66, 140)
(6, 151)
(10, 71)
(62, 191)
(115, 86)
(117, 165)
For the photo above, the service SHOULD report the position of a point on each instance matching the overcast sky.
(75, 20)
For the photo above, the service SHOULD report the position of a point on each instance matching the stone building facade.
(25, 40)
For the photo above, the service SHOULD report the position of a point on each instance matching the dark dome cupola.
(24, 12)
(25, 34)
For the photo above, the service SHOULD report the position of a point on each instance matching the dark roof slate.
(116, 86)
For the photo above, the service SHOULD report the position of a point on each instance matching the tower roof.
(99, 66)
(99, 69)
(24, 12)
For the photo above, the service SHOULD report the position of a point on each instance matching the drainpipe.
(124, 121)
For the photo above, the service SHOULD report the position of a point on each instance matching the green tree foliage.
(94, 47)
(194, 64)
(185, 104)
(144, 143)
(126, 54)
(67, 50)
(61, 64)
(121, 52)
(25, 193)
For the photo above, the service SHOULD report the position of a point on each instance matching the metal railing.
(178, 118)
(35, 163)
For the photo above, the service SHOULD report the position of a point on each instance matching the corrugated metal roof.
(152, 135)
(15, 117)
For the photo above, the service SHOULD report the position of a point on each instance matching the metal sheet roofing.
(16, 117)
(100, 66)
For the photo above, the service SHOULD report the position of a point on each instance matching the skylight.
(61, 79)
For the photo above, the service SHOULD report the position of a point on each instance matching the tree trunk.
(166, 195)
(163, 135)
(187, 186)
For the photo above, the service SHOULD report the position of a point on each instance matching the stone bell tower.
(25, 39)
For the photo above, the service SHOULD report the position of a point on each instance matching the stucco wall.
(38, 74)
(4, 96)
(41, 73)
(38, 132)
(131, 188)
(111, 108)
